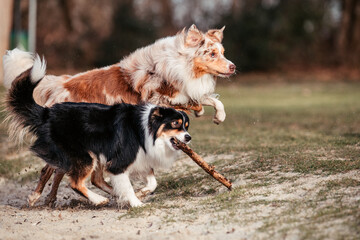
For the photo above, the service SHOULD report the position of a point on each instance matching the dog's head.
(209, 53)
(167, 124)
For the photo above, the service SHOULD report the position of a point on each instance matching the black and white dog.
(79, 138)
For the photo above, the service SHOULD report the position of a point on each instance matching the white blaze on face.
(181, 137)
(222, 56)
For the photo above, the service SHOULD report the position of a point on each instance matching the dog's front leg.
(200, 112)
(150, 187)
(124, 190)
(198, 109)
(220, 114)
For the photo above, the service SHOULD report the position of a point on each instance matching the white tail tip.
(39, 69)
(17, 61)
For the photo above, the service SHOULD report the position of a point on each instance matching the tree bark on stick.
(204, 165)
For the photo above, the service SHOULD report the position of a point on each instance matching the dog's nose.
(187, 138)
(232, 67)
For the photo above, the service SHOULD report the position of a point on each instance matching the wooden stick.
(204, 165)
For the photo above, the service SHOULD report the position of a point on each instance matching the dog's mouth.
(172, 140)
(226, 74)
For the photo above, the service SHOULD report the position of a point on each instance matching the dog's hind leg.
(79, 186)
(97, 179)
(78, 176)
(46, 173)
(51, 197)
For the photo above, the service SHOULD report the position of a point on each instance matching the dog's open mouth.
(172, 140)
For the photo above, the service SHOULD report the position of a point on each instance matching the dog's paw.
(32, 198)
(97, 199)
(143, 193)
(219, 117)
(136, 203)
(199, 113)
(104, 201)
(148, 189)
(50, 201)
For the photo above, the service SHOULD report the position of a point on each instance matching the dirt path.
(74, 218)
(263, 205)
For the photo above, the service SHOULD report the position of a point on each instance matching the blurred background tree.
(260, 35)
(349, 33)
(5, 23)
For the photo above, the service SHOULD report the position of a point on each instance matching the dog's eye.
(186, 124)
(213, 54)
(175, 124)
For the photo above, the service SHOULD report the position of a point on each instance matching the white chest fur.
(195, 90)
(200, 87)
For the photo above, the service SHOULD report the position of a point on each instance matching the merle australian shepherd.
(77, 138)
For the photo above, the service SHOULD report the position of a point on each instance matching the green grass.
(297, 127)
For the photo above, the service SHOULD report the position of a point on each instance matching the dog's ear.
(216, 34)
(156, 113)
(185, 114)
(187, 120)
(183, 31)
(193, 37)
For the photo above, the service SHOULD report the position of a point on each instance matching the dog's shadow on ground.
(67, 199)
(74, 205)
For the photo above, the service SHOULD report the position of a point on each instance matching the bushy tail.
(16, 62)
(23, 113)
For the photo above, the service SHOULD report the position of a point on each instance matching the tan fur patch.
(89, 87)
(171, 132)
(192, 106)
(167, 89)
(160, 130)
(140, 84)
(210, 65)
(200, 67)
(215, 35)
